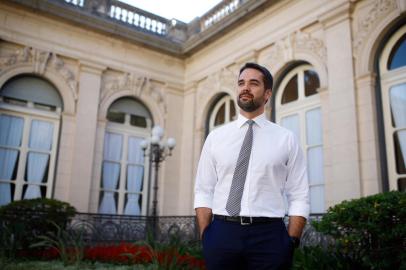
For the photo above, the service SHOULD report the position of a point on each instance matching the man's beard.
(249, 106)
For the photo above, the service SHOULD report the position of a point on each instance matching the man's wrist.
(295, 241)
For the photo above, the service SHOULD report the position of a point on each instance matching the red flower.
(122, 253)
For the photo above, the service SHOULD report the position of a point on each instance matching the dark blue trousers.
(230, 245)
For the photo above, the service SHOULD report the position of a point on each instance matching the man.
(245, 168)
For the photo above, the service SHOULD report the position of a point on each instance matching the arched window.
(222, 113)
(298, 109)
(123, 188)
(30, 110)
(392, 65)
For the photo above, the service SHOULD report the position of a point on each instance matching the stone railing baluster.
(216, 14)
(149, 22)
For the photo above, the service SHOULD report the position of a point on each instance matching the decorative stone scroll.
(366, 23)
(223, 80)
(127, 81)
(135, 85)
(286, 49)
(305, 42)
(41, 61)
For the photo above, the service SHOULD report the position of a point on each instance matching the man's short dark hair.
(268, 79)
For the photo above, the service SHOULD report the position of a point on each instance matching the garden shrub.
(316, 257)
(23, 221)
(369, 230)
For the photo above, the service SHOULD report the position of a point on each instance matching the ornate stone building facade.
(83, 82)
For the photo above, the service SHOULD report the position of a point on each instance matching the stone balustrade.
(219, 12)
(150, 22)
(126, 14)
(172, 36)
(139, 18)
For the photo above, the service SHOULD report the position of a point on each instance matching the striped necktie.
(233, 205)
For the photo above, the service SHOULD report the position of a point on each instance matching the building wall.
(339, 39)
(91, 70)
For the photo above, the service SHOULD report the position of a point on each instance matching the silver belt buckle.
(245, 223)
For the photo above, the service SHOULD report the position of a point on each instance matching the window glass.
(232, 110)
(290, 93)
(221, 115)
(303, 117)
(111, 172)
(402, 184)
(34, 89)
(41, 135)
(313, 127)
(397, 56)
(398, 105)
(11, 130)
(393, 93)
(317, 199)
(314, 170)
(291, 122)
(311, 81)
(123, 174)
(129, 112)
(223, 112)
(28, 140)
(138, 121)
(130, 106)
(116, 117)
(135, 176)
(134, 186)
(399, 140)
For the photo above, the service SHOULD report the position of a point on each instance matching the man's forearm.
(204, 216)
(296, 225)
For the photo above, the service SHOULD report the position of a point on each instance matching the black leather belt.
(247, 220)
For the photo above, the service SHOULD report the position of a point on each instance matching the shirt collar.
(259, 120)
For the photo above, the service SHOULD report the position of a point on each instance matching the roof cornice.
(174, 38)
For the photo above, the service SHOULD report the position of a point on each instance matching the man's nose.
(245, 89)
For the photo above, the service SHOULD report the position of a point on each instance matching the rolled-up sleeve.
(297, 185)
(206, 177)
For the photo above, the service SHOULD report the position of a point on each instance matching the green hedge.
(315, 257)
(369, 230)
(22, 221)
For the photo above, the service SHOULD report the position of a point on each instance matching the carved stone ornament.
(367, 23)
(305, 42)
(284, 50)
(225, 79)
(137, 85)
(41, 61)
(281, 51)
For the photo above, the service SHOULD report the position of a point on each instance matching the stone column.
(65, 158)
(342, 171)
(85, 135)
(368, 135)
(188, 152)
(170, 186)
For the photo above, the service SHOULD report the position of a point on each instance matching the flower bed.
(124, 253)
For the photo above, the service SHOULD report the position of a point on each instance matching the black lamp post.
(158, 151)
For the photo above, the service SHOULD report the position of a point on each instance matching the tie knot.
(250, 122)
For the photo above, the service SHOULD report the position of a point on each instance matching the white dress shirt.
(276, 167)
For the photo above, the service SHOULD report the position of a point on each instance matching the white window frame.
(227, 118)
(30, 113)
(127, 131)
(390, 78)
(299, 107)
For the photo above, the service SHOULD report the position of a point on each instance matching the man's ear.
(269, 93)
